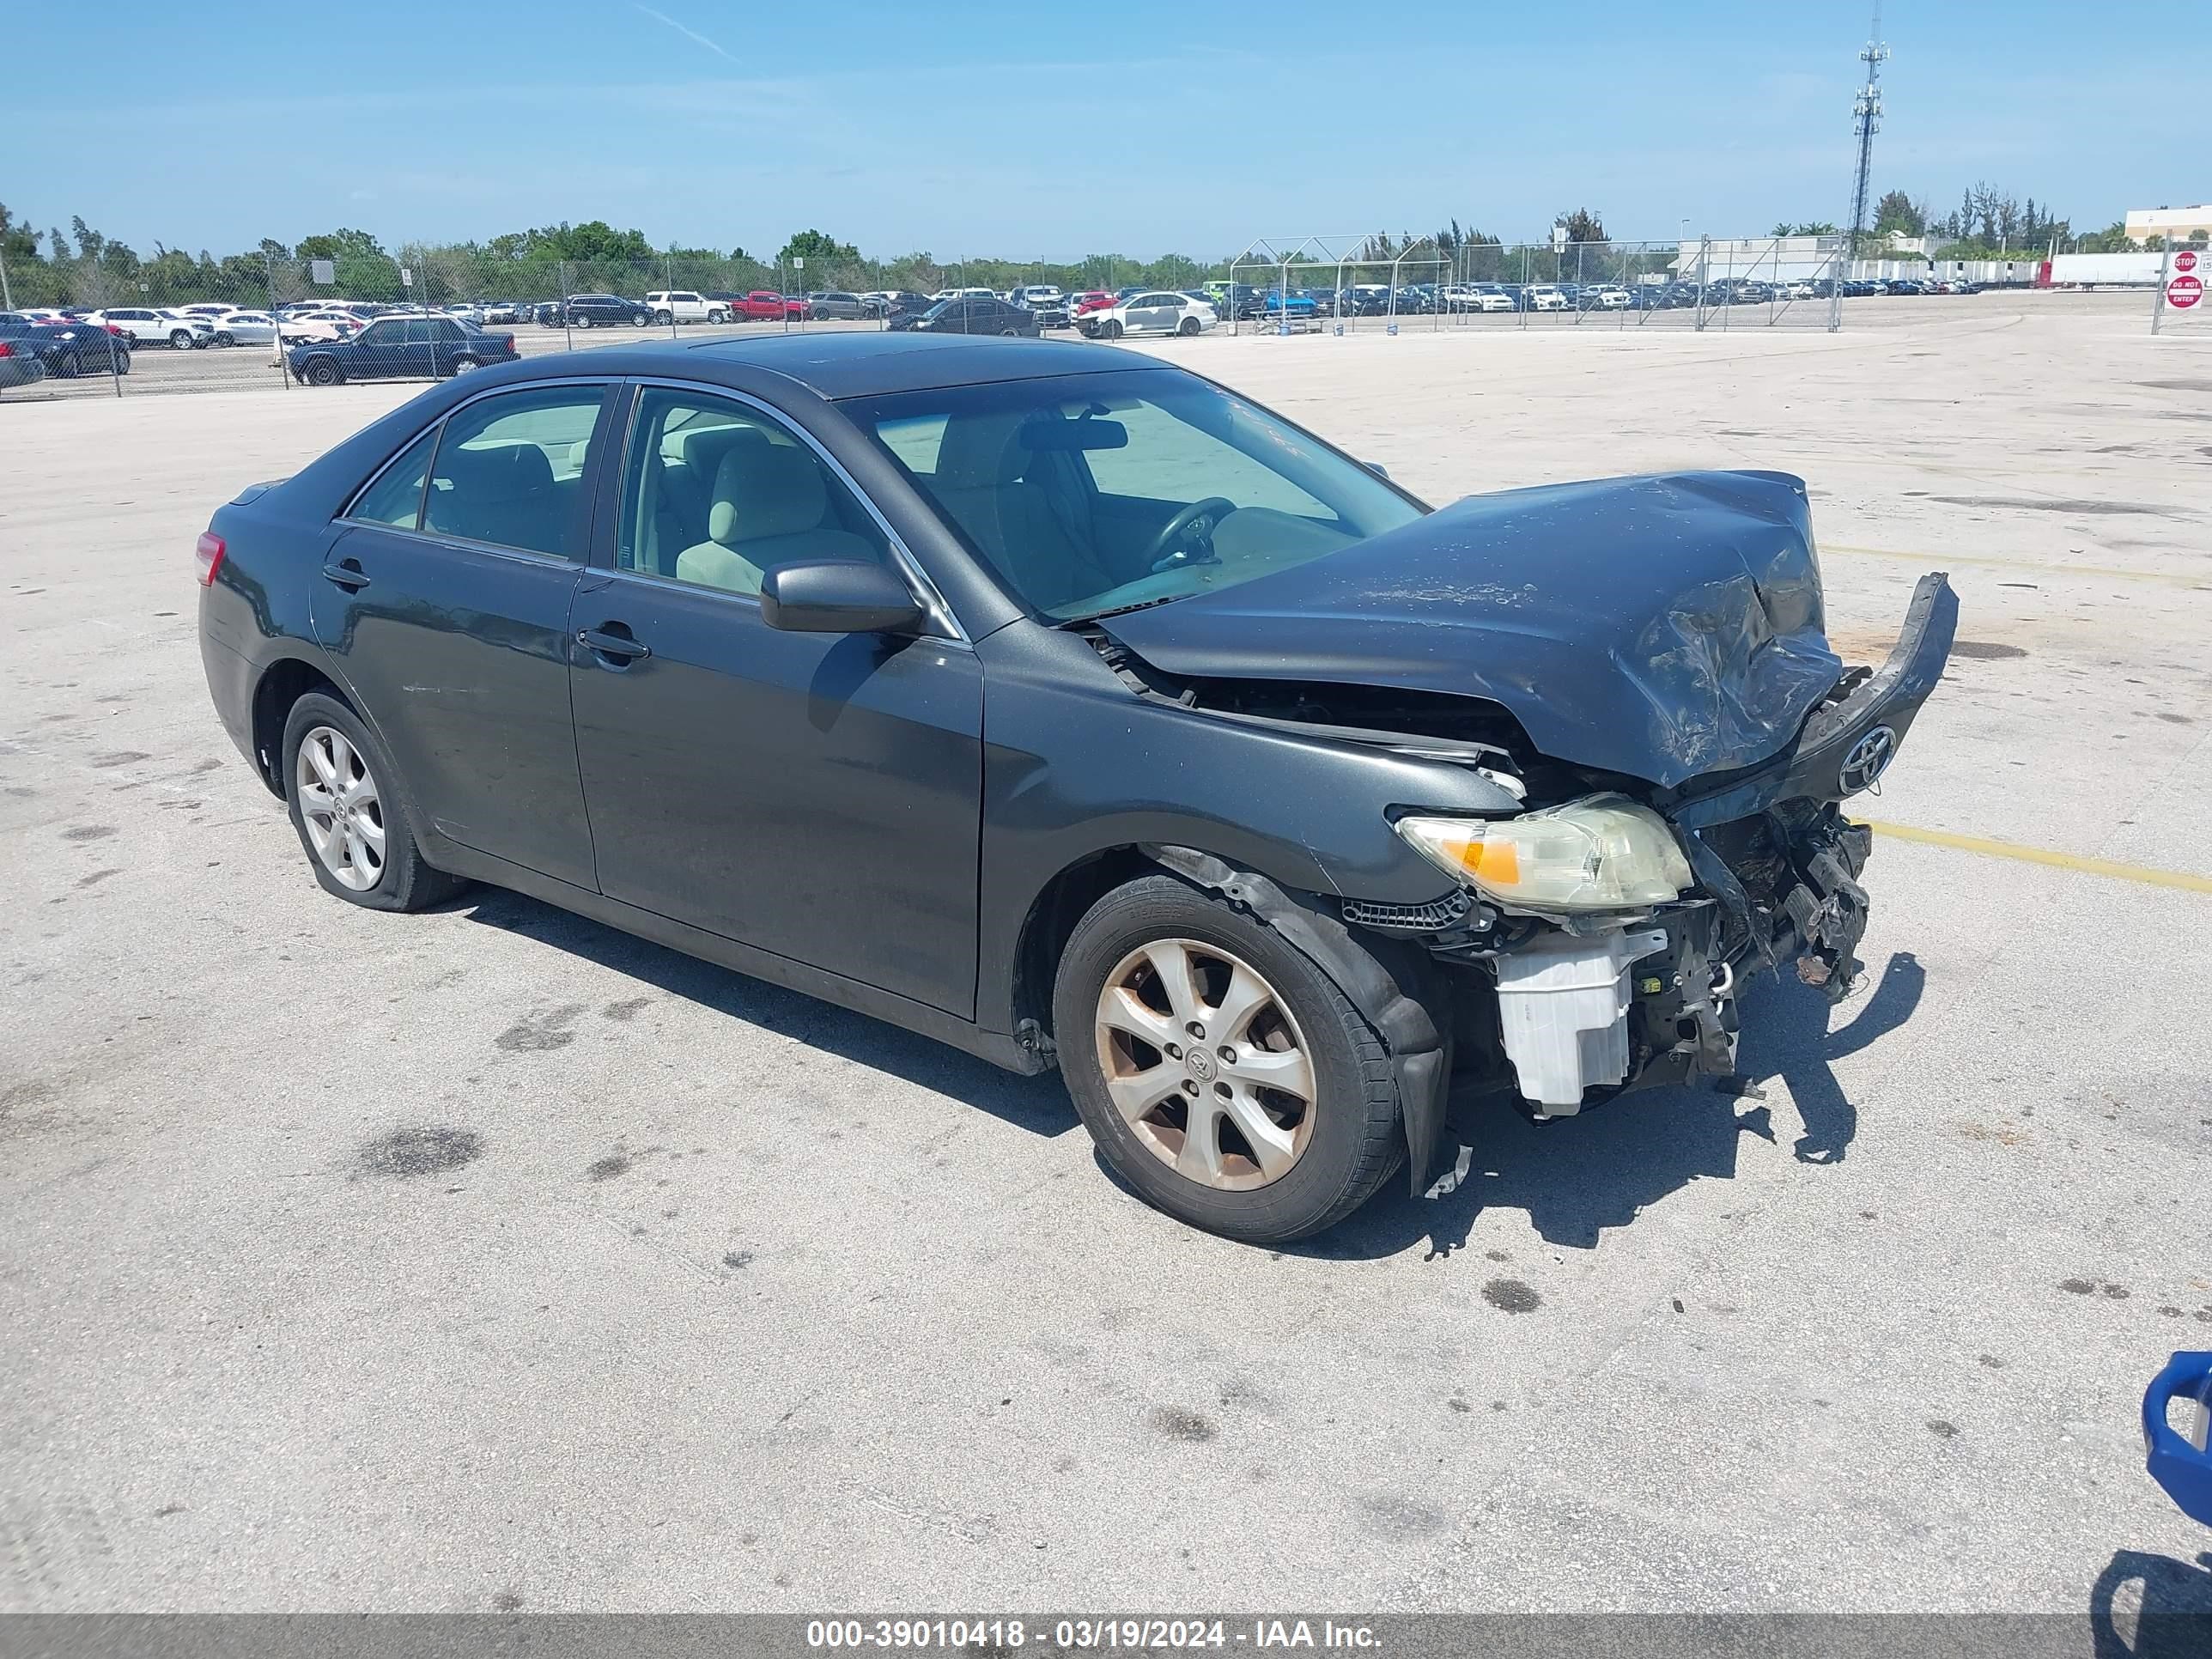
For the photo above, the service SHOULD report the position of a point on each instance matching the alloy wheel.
(338, 804)
(1206, 1064)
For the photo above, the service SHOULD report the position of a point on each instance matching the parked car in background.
(1288, 307)
(502, 311)
(62, 349)
(144, 327)
(1039, 297)
(764, 305)
(967, 313)
(401, 348)
(299, 327)
(605, 311)
(671, 306)
(833, 304)
(237, 328)
(897, 302)
(1155, 311)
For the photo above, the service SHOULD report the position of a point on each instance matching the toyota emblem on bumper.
(1869, 758)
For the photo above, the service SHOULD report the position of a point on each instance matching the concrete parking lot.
(489, 1258)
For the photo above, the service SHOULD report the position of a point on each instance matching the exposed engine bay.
(1583, 1000)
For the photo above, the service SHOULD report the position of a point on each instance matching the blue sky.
(1054, 129)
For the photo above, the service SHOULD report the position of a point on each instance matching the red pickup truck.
(763, 306)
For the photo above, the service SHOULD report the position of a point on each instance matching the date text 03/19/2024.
(1079, 1635)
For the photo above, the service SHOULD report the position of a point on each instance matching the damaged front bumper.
(1589, 1008)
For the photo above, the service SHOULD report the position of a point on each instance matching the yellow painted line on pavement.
(1939, 560)
(2075, 861)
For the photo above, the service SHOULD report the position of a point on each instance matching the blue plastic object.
(2184, 1470)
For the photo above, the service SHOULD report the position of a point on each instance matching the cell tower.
(1867, 111)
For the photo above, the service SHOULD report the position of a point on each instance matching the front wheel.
(345, 803)
(718, 317)
(222, 339)
(663, 318)
(1112, 331)
(641, 320)
(180, 339)
(582, 322)
(1223, 1075)
(322, 372)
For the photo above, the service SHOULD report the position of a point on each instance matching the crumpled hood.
(1662, 627)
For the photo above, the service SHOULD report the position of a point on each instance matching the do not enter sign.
(2184, 292)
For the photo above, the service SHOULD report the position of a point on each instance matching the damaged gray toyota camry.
(1071, 709)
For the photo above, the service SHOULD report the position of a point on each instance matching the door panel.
(817, 795)
(460, 657)
(450, 619)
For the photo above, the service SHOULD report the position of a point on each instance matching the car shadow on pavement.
(1039, 1104)
(1576, 1176)
(2152, 1607)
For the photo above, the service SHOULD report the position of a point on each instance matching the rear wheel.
(1224, 1076)
(346, 806)
(462, 365)
(1187, 326)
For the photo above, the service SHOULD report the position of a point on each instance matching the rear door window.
(510, 471)
(395, 497)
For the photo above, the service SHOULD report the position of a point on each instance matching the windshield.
(1091, 493)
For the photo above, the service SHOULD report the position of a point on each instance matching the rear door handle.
(347, 574)
(621, 646)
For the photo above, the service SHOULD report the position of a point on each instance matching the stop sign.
(2184, 292)
(2186, 260)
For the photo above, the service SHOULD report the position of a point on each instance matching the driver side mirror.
(1377, 468)
(838, 596)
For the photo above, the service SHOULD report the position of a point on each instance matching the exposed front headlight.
(1603, 853)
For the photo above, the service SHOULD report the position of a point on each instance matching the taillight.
(208, 555)
(6, 350)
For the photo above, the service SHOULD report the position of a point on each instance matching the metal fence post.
(2158, 290)
(568, 328)
(276, 329)
(668, 287)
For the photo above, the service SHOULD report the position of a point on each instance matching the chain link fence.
(267, 321)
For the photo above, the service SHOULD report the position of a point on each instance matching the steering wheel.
(1195, 525)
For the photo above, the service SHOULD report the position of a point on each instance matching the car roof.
(865, 365)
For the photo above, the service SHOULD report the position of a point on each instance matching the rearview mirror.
(838, 596)
(1053, 434)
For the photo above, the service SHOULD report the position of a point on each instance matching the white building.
(2176, 224)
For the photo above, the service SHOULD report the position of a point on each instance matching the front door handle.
(348, 575)
(620, 646)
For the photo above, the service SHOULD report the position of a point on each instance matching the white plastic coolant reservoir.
(1562, 1008)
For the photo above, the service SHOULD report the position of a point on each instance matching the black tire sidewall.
(407, 881)
(1356, 1103)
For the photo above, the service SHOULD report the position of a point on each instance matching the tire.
(718, 318)
(664, 320)
(1187, 327)
(122, 363)
(1009, 333)
(580, 322)
(1344, 1141)
(462, 365)
(321, 371)
(395, 879)
(1111, 329)
(66, 366)
(223, 339)
(641, 320)
(180, 339)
